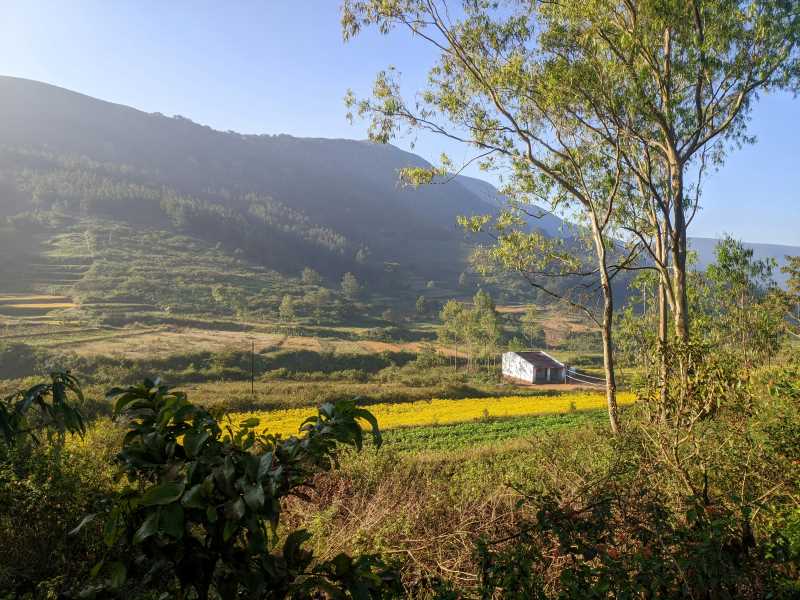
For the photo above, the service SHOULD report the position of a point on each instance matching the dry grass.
(21, 299)
(166, 341)
(42, 305)
(161, 342)
(372, 346)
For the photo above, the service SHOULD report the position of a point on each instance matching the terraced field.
(31, 306)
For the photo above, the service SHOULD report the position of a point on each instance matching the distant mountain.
(539, 218)
(705, 253)
(286, 202)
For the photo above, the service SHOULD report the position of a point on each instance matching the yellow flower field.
(441, 411)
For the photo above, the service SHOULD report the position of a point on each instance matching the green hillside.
(282, 203)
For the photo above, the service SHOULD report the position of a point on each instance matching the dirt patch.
(371, 346)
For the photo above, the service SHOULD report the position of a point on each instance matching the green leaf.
(249, 423)
(96, 569)
(211, 514)
(342, 564)
(230, 528)
(170, 520)
(194, 441)
(194, 498)
(118, 575)
(166, 493)
(147, 529)
(235, 510)
(254, 497)
(112, 529)
(293, 544)
(361, 413)
(264, 464)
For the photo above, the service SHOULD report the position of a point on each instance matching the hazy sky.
(280, 66)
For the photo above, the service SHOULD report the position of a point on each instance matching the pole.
(253, 369)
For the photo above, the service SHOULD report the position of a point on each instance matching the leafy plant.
(56, 414)
(204, 505)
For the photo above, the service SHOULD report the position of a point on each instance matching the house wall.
(516, 367)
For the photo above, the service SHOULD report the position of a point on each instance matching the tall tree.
(421, 305)
(450, 332)
(748, 311)
(497, 87)
(675, 81)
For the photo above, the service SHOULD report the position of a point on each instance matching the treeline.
(265, 230)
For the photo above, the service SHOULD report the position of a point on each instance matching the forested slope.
(282, 202)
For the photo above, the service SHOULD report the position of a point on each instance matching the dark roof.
(540, 360)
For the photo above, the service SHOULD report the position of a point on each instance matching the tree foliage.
(45, 407)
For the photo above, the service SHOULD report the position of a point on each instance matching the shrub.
(203, 513)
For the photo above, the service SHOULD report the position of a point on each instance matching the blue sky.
(280, 66)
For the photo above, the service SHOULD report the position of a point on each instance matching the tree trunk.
(663, 326)
(678, 243)
(608, 357)
(606, 331)
(662, 346)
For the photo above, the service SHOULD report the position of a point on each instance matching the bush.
(202, 514)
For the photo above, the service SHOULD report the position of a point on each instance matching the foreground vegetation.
(528, 506)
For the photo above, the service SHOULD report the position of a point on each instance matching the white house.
(533, 366)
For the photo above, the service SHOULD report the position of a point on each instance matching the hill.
(284, 202)
(106, 203)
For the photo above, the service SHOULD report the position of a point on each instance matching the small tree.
(310, 277)
(390, 316)
(450, 332)
(231, 297)
(362, 255)
(350, 286)
(747, 310)
(318, 299)
(421, 305)
(531, 328)
(286, 310)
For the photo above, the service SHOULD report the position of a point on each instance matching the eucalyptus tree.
(670, 84)
(497, 87)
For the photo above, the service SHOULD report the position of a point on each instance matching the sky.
(280, 66)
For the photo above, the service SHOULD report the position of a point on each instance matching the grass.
(485, 432)
(444, 411)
